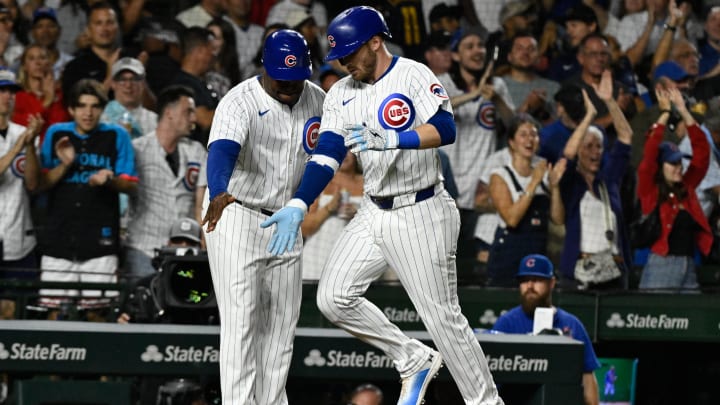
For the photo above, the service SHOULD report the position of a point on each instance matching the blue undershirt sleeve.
(320, 169)
(222, 156)
(445, 124)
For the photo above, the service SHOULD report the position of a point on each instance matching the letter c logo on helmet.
(352, 28)
(290, 60)
(286, 56)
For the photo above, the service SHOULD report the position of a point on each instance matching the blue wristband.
(408, 140)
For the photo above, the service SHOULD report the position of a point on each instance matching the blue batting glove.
(288, 222)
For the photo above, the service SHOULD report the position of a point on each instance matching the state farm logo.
(488, 317)
(615, 321)
(180, 354)
(151, 354)
(647, 321)
(314, 358)
(353, 359)
(517, 363)
(52, 352)
(401, 315)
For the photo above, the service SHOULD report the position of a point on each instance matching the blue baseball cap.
(44, 12)
(536, 266)
(671, 70)
(669, 152)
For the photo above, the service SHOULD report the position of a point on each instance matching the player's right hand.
(215, 210)
(288, 222)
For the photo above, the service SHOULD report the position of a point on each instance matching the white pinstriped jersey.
(15, 223)
(162, 197)
(405, 97)
(476, 139)
(276, 140)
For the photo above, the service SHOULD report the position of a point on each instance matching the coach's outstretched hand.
(215, 210)
(362, 138)
(288, 222)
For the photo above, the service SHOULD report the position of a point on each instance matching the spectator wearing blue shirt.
(570, 111)
(537, 280)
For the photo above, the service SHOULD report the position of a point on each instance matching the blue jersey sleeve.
(125, 162)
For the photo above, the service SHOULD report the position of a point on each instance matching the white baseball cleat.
(413, 387)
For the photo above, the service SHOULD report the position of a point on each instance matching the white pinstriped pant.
(419, 242)
(259, 298)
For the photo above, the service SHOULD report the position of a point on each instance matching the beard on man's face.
(531, 299)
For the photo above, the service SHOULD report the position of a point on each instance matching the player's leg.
(278, 312)
(354, 263)
(419, 243)
(233, 250)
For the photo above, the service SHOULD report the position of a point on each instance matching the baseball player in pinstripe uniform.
(169, 163)
(393, 114)
(263, 133)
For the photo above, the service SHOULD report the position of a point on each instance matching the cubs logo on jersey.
(486, 115)
(438, 91)
(191, 175)
(311, 133)
(17, 167)
(396, 112)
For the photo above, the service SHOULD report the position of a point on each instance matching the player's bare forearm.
(215, 210)
(429, 136)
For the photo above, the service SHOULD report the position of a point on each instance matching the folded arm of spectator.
(317, 215)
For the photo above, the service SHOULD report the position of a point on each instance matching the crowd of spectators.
(561, 110)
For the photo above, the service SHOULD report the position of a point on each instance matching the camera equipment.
(184, 282)
(179, 392)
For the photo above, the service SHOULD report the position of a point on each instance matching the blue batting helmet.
(352, 28)
(286, 56)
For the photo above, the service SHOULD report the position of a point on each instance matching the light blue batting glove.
(288, 221)
(362, 138)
